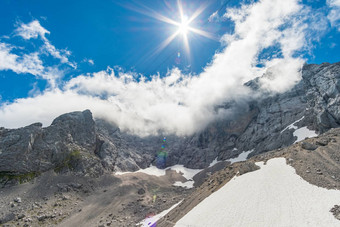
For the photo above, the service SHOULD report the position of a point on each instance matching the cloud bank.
(177, 103)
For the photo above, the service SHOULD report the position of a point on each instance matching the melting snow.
(241, 157)
(303, 133)
(188, 184)
(300, 133)
(187, 173)
(292, 125)
(153, 170)
(151, 221)
(214, 162)
(272, 196)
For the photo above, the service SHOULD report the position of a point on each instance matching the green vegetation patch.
(19, 177)
(69, 162)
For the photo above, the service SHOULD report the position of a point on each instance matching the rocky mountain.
(76, 142)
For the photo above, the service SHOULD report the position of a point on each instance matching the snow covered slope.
(272, 196)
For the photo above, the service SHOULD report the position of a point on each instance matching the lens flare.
(162, 155)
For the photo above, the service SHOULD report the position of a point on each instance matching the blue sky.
(75, 38)
(111, 34)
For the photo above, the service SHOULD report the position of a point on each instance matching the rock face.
(69, 143)
(122, 152)
(77, 142)
(314, 102)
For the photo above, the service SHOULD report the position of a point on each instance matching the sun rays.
(184, 23)
(184, 27)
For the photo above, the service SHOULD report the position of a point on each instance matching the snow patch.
(241, 157)
(214, 162)
(151, 221)
(300, 133)
(154, 171)
(292, 125)
(271, 196)
(303, 133)
(188, 184)
(186, 172)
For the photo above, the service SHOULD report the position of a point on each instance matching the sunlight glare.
(184, 26)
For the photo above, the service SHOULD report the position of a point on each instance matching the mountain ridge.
(77, 142)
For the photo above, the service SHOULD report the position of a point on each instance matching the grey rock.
(141, 191)
(69, 143)
(308, 146)
(21, 216)
(17, 200)
(7, 218)
(322, 142)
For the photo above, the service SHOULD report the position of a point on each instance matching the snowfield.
(272, 196)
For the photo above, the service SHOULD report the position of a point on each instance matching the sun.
(183, 27)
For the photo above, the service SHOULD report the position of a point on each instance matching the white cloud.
(31, 30)
(334, 13)
(28, 63)
(214, 17)
(180, 103)
(88, 61)
(31, 63)
(35, 30)
(91, 62)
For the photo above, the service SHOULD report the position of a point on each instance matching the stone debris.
(17, 200)
(336, 211)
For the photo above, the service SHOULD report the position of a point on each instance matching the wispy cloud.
(89, 61)
(214, 17)
(334, 13)
(27, 63)
(33, 30)
(181, 103)
(31, 63)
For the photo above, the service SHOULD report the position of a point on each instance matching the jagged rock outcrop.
(122, 152)
(313, 102)
(69, 143)
(77, 142)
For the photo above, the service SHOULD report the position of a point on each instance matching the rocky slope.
(316, 160)
(78, 143)
(68, 199)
